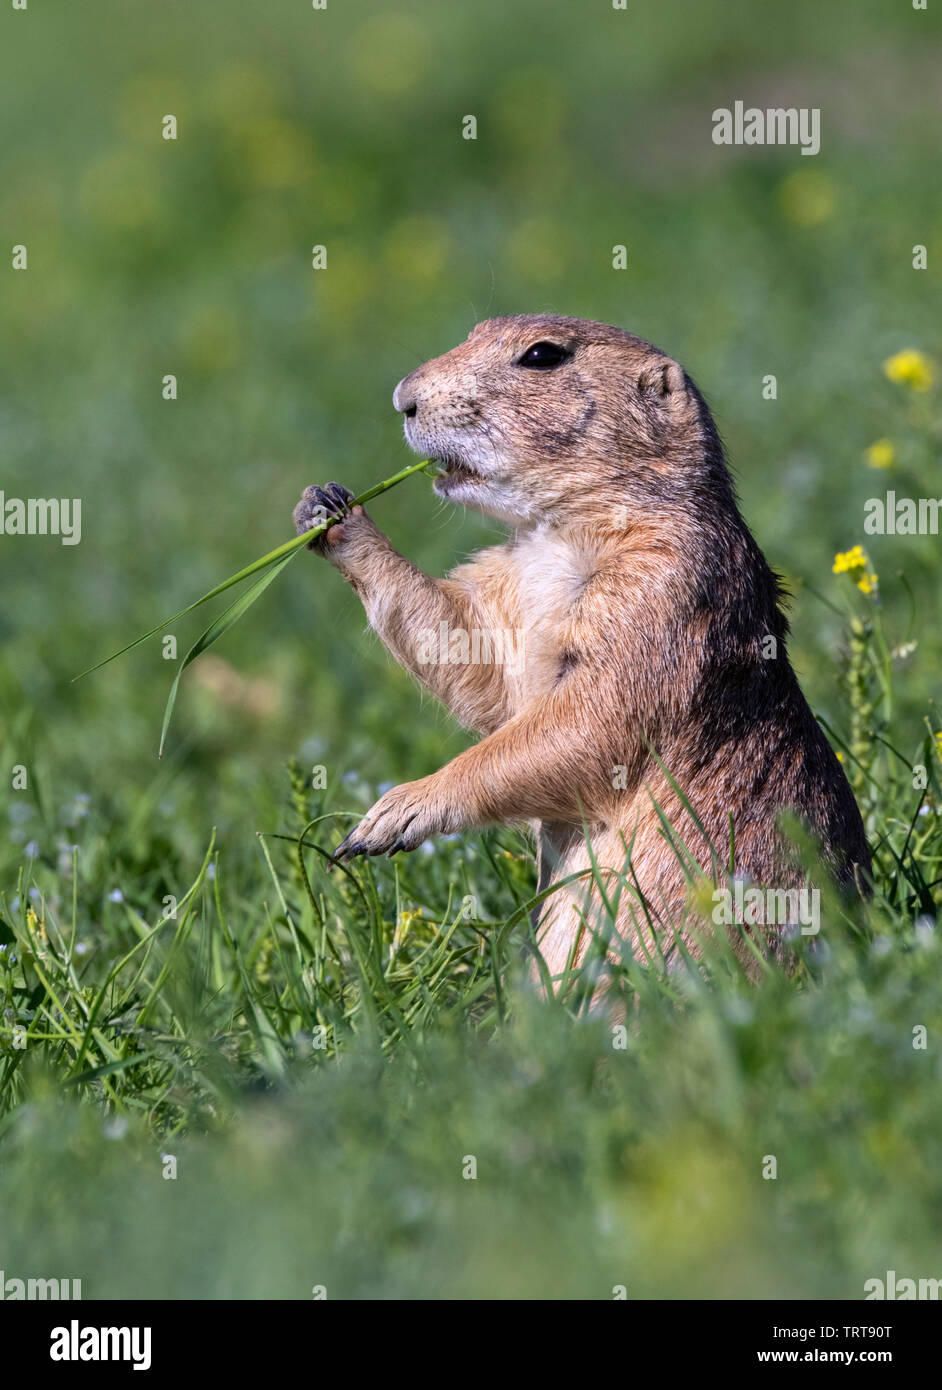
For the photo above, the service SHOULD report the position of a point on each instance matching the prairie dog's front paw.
(401, 819)
(321, 504)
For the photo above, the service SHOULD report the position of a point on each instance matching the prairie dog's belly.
(551, 574)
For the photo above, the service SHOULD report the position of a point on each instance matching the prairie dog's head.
(537, 417)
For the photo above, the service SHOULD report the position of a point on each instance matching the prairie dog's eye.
(543, 356)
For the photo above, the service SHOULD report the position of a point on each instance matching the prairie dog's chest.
(550, 574)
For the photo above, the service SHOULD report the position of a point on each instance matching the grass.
(346, 1043)
(322, 1055)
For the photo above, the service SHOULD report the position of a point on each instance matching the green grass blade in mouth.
(273, 556)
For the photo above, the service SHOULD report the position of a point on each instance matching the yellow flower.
(839, 755)
(846, 560)
(881, 454)
(849, 561)
(909, 368)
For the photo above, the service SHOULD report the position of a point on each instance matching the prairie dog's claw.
(320, 504)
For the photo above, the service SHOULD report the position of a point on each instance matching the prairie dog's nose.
(404, 397)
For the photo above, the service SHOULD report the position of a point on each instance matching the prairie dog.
(649, 623)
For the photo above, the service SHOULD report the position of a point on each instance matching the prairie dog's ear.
(664, 380)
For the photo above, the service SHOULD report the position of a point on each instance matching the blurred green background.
(343, 127)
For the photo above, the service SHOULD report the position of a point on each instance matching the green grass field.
(323, 1056)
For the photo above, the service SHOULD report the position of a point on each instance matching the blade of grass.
(216, 629)
(288, 548)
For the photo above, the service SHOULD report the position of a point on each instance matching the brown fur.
(643, 603)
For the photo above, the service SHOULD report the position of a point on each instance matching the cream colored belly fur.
(551, 573)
